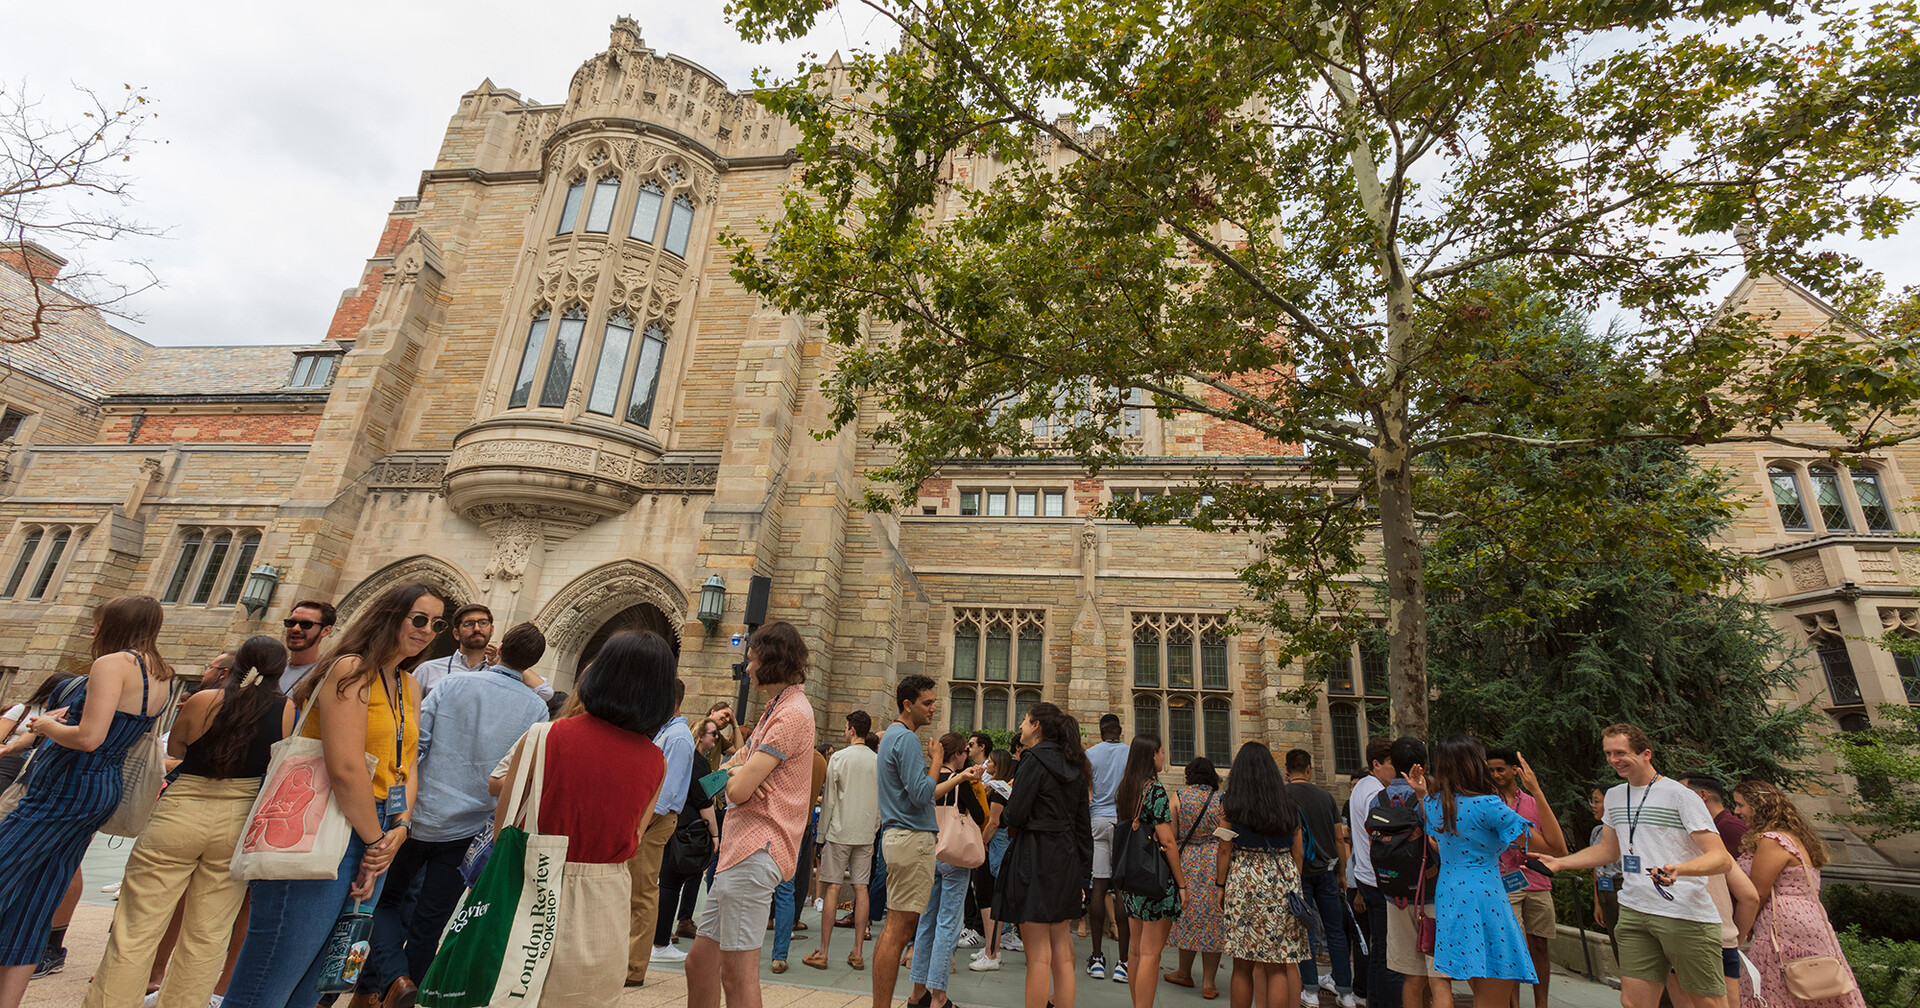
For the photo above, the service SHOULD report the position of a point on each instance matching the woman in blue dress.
(73, 783)
(1478, 939)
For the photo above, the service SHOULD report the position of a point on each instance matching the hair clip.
(252, 677)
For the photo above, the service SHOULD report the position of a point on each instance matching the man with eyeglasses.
(473, 632)
(307, 625)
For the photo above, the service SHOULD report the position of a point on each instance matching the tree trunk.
(1401, 562)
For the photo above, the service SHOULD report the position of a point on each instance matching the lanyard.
(1526, 839)
(398, 708)
(1633, 817)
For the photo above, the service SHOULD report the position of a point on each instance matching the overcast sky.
(289, 130)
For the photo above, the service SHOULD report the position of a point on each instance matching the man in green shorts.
(1667, 845)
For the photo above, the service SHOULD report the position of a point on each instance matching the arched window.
(960, 715)
(604, 398)
(1146, 714)
(1029, 654)
(1146, 657)
(1786, 497)
(1022, 701)
(1346, 739)
(566, 347)
(183, 566)
(600, 212)
(570, 213)
(210, 574)
(242, 563)
(55, 550)
(1826, 496)
(22, 565)
(1909, 669)
(679, 226)
(646, 213)
(1875, 515)
(1180, 729)
(646, 375)
(999, 649)
(993, 709)
(529, 362)
(1216, 723)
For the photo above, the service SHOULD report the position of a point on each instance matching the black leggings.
(677, 897)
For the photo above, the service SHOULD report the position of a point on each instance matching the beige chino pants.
(181, 858)
(645, 903)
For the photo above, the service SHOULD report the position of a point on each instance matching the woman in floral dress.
(1258, 864)
(1783, 855)
(1144, 804)
(1202, 928)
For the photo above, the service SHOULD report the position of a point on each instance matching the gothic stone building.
(547, 394)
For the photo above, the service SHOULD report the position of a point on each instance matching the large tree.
(1280, 214)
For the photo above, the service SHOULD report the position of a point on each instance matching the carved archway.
(641, 616)
(572, 617)
(423, 568)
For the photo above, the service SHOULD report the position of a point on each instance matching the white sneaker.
(1010, 942)
(984, 964)
(668, 954)
(1326, 984)
(969, 938)
(819, 904)
(1350, 1000)
(1310, 998)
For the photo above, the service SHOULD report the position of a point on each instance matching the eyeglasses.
(217, 667)
(474, 624)
(304, 624)
(421, 620)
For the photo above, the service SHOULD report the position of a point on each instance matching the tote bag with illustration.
(499, 942)
(295, 829)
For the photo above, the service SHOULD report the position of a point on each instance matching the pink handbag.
(959, 843)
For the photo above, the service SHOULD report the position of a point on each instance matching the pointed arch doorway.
(643, 616)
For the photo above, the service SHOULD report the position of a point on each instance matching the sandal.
(856, 962)
(1178, 979)
(815, 960)
(779, 965)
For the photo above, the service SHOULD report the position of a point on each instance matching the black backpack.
(1397, 842)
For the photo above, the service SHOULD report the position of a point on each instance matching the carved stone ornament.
(1808, 573)
(514, 540)
(1878, 566)
(433, 571)
(580, 608)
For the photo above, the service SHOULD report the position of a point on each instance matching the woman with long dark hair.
(74, 785)
(1477, 938)
(603, 776)
(224, 738)
(1259, 860)
(1787, 921)
(13, 727)
(1144, 803)
(360, 702)
(1049, 859)
(1202, 928)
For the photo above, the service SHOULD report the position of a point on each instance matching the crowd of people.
(1439, 869)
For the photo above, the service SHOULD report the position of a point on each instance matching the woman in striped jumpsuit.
(74, 781)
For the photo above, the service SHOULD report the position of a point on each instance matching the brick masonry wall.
(232, 428)
(356, 305)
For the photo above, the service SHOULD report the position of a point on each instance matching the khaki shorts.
(1103, 848)
(737, 907)
(846, 863)
(1403, 942)
(1651, 947)
(909, 856)
(1534, 909)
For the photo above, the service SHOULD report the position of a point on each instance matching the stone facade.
(546, 393)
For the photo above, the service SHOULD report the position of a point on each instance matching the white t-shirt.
(1656, 824)
(1359, 803)
(20, 715)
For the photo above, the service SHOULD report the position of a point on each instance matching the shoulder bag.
(142, 773)
(1814, 977)
(499, 942)
(959, 843)
(295, 829)
(690, 848)
(1139, 864)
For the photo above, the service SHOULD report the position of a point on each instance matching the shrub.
(1893, 916)
(1888, 971)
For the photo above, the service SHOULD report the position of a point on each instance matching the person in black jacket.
(1049, 860)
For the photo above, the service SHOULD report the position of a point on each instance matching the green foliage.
(1885, 760)
(1891, 915)
(1309, 219)
(1888, 971)
(1001, 739)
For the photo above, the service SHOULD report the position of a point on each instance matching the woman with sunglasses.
(360, 702)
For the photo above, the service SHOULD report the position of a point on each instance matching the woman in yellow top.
(360, 703)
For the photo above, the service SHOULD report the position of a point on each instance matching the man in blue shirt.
(466, 726)
(907, 826)
(675, 740)
(1109, 761)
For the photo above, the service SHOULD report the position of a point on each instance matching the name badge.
(1514, 881)
(1606, 883)
(396, 801)
(1630, 864)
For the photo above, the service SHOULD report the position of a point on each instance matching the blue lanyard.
(1633, 817)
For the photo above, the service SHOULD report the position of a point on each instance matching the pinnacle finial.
(626, 34)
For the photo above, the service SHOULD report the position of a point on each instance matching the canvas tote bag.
(959, 842)
(295, 829)
(142, 774)
(499, 942)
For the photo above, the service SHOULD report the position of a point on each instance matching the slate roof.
(211, 370)
(79, 350)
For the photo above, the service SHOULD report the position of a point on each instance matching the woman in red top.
(602, 778)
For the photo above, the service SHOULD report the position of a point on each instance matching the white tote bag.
(295, 829)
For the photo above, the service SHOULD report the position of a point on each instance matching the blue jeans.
(877, 883)
(1383, 984)
(939, 931)
(784, 912)
(1323, 891)
(279, 964)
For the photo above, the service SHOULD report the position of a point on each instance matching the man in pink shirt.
(769, 794)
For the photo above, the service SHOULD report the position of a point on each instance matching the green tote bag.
(499, 942)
